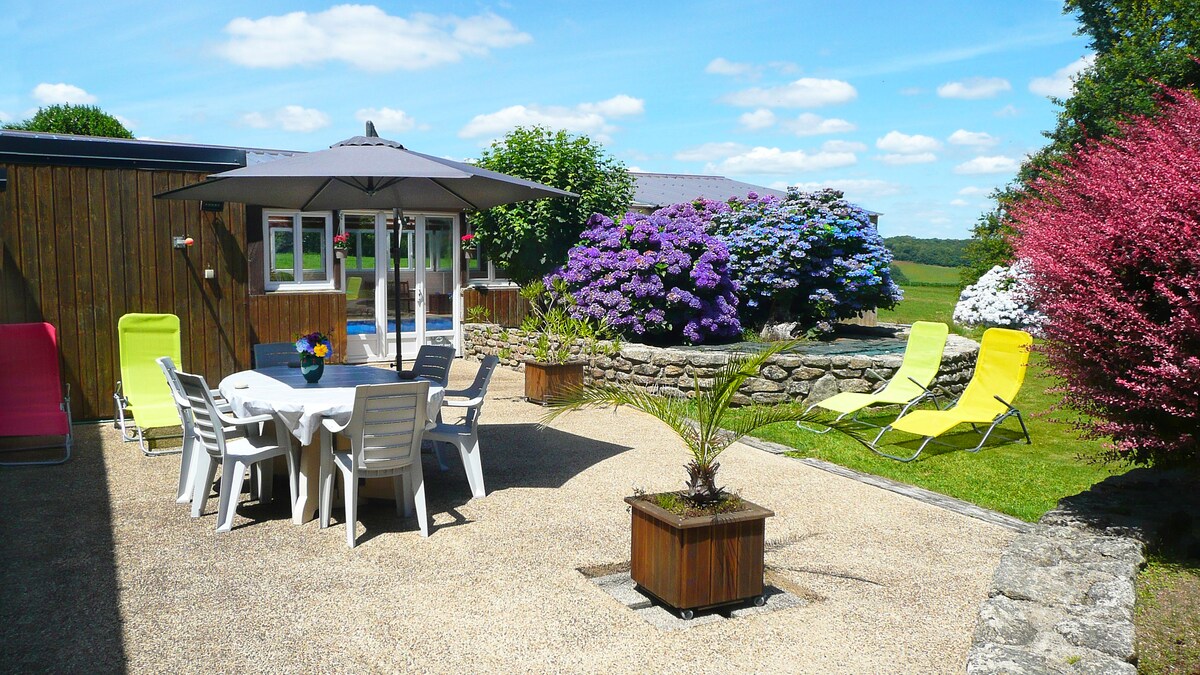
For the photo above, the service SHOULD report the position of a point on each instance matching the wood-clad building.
(85, 242)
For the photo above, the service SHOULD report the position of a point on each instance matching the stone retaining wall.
(1062, 598)
(794, 376)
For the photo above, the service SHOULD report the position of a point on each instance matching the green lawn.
(928, 274)
(923, 303)
(1018, 479)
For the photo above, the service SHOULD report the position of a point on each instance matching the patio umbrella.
(367, 172)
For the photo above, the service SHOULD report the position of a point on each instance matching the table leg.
(308, 492)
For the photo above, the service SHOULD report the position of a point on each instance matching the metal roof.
(31, 147)
(655, 190)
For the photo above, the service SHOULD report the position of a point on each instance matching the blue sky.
(915, 110)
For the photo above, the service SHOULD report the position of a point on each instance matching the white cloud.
(759, 119)
(621, 105)
(386, 119)
(288, 118)
(974, 191)
(1062, 82)
(854, 187)
(50, 94)
(586, 118)
(895, 141)
(1009, 110)
(843, 146)
(809, 124)
(974, 88)
(635, 169)
(126, 122)
(807, 92)
(896, 159)
(762, 160)
(958, 202)
(709, 152)
(723, 66)
(4, 117)
(993, 164)
(366, 37)
(911, 91)
(975, 139)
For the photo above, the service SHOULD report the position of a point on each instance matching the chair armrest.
(923, 387)
(462, 393)
(469, 403)
(244, 421)
(1006, 403)
(332, 426)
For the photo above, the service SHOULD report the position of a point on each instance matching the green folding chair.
(143, 391)
(908, 387)
(987, 400)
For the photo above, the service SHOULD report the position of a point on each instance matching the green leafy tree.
(530, 239)
(943, 252)
(1140, 46)
(80, 120)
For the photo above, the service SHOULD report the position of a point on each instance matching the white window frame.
(493, 278)
(297, 217)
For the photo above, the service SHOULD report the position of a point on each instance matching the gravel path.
(103, 571)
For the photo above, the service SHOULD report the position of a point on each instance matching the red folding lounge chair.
(32, 402)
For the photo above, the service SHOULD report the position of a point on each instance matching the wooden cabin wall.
(83, 246)
(504, 306)
(281, 317)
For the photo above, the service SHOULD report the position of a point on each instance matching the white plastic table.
(300, 407)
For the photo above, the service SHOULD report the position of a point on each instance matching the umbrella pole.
(398, 219)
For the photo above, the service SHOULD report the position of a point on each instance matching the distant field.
(928, 274)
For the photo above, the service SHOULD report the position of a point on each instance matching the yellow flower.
(321, 350)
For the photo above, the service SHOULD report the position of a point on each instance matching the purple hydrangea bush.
(659, 278)
(812, 258)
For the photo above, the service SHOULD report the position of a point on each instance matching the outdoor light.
(182, 242)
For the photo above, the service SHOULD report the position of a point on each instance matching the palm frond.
(755, 417)
(671, 410)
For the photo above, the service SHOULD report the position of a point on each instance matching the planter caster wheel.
(760, 600)
(686, 614)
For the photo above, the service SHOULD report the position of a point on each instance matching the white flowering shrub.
(1002, 297)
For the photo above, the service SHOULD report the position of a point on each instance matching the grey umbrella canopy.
(367, 172)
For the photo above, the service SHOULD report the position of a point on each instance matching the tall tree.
(531, 239)
(80, 120)
(1140, 46)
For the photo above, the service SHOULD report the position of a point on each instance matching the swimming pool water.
(367, 327)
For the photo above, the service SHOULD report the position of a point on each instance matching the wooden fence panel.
(504, 306)
(84, 246)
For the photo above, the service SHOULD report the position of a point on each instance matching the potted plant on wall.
(702, 546)
(563, 343)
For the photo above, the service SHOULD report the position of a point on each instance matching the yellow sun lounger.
(142, 389)
(908, 387)
(999, 372)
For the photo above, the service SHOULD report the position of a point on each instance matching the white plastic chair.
(191, 449)
(385, 441)
(432, 363)
(224, 443)
(271, 354)
(465, 434)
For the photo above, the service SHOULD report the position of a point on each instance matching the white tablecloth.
(301, 406)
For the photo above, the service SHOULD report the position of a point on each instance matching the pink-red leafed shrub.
(1114, 245)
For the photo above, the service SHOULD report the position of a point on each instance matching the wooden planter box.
(544, 381)
(700, 562)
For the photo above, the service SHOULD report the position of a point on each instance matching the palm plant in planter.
(563, 345)
(702, 546)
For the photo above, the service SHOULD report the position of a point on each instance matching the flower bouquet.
(313, 349)
(341, 244)
(468, 243)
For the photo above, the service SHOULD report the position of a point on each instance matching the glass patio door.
(429, 250)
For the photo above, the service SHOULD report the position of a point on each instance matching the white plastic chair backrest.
(168, 367)
(212, 433)
(387, 424)
(270, 354)
(479, 389)
(433, 363)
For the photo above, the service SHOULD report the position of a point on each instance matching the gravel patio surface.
(104, 572)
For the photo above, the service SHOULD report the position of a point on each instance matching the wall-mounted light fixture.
(215, 207)
(182, 242)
